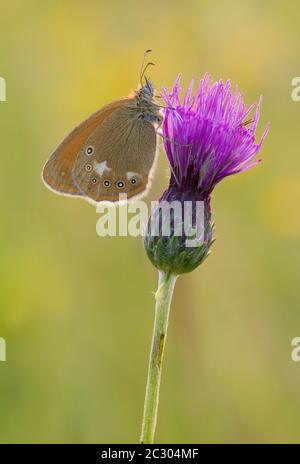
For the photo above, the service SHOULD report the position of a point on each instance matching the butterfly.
(110, 153)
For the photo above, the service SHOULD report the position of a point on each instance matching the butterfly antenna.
(144, 67)
(143, 73)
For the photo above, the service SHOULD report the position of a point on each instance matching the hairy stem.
(163, 298)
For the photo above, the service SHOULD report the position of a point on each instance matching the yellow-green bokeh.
(77, 310)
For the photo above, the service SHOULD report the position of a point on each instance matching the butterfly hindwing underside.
(116, 158)
(58, 170)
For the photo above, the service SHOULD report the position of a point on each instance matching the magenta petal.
(204, 137)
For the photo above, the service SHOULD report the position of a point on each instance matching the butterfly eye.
(89, 150)
(133, 181)
(88, 167)
(106, 183)
(120, 184)
(94, 180)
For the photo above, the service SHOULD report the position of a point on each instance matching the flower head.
(210, 135)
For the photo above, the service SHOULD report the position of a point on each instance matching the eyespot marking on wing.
(89, 150)
(133, 177)
(120, 184)
(107, 183)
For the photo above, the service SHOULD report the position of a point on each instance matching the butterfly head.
(146, 91)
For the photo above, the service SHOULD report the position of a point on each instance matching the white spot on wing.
(100, 168)
(130, 174)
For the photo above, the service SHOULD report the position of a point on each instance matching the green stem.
(163, 298)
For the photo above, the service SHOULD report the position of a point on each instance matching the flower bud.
(179, 232)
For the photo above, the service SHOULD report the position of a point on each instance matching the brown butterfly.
(110, 153)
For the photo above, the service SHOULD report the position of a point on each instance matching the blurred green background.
(77, 310)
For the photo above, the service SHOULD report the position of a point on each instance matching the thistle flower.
(208, 136)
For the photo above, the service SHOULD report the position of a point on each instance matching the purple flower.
(210, 135)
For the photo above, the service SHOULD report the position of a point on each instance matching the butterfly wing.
(57, 172)
(117, 157)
